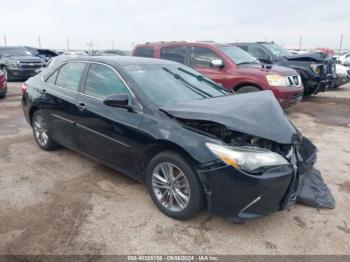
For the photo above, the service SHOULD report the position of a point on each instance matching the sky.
(123, 24)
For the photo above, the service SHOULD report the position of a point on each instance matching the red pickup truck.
(3, 85)
(230, 66)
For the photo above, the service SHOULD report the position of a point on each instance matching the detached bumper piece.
(314, 192)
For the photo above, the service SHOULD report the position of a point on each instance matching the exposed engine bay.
(233, 137)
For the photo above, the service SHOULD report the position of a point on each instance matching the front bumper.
(22, 74)
(289, 96)
(320, 84)
(241, 196)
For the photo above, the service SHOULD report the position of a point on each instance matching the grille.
(31, 65)
(294, 81)
(307, 149)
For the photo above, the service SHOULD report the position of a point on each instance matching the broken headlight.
(317, 68)
(250, 159)
(277, 80)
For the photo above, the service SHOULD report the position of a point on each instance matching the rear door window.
(144, 52)
(102, 81)
(176, 53)
(69, 75)
(52, 79)
(202, 57)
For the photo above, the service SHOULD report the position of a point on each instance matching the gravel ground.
(63, 203)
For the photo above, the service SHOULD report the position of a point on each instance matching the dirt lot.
(63, 203)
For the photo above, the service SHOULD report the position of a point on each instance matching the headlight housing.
(13, 63)
(277, 80)
(317, 68)
(250, 159)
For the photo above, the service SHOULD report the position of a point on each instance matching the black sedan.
(192, 143)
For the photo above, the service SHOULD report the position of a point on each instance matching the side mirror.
(217, 63)
(118, 100)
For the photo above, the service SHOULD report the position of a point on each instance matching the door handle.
(81, 106)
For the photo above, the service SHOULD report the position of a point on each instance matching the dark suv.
(230, 66)
(316, 69)
(18, 63)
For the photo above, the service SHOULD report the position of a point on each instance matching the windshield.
(13, 51)
(238, 55)
(277, 50)
(170, 84)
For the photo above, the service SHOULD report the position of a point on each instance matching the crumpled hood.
(310, 57)
(258, 114)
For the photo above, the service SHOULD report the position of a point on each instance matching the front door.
(200, 60)
(105, 132)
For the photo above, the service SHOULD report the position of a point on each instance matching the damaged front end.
(242, 194)
(262, 163)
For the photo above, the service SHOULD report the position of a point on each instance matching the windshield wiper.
(189, 85)
(203, 79)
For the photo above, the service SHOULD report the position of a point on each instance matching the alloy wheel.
(40, 130)
(171, 187)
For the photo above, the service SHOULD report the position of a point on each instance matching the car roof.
(122, 60)
(169, 43)
(7, 47)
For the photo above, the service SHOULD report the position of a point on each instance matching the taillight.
(24, 88)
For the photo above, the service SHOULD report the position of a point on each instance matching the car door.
(59, 98)
(108, 133)
(200, 60)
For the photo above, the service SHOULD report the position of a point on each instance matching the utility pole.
(67, 44)
(5, 41)
(300, 41)
(113, 47)
(265, 38)
(39, 42)
(340, 45)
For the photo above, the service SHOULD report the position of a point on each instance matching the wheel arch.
(32, 110)
(161, 146)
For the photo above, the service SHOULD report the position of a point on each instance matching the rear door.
(59, 98)
(107, 133)
(200, 60)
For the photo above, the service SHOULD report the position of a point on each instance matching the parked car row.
(230, 66)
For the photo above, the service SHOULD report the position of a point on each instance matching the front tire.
(174, 186)
(247, 89)
(42, 133)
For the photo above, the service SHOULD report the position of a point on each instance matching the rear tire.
(174, 186)
(247, 89)
(42, 132)
(3, 95)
